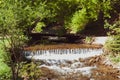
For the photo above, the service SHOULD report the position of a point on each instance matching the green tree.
(16, 18)
(19, 17)
(88, 11)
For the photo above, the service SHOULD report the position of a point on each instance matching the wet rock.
(49, 74)
(82, 69)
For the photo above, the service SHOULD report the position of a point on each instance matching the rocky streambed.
(92, 68)
(74, 61)
(74, 64)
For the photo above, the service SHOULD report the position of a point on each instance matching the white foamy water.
(65, 54)
(68, 70)
(100, 40)
(65, 61)
(62, 56)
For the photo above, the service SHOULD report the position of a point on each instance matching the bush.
(78, 21)
(113, 44)
(29, 71)
(5, 71)
(89, 40)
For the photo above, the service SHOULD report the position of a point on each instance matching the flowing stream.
(73, 64)
(62, 54)
(64, 61)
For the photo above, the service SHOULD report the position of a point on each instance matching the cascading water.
(64, 61)
(62, 54)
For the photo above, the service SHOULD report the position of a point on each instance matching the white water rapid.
(64, 61)
(62, 54)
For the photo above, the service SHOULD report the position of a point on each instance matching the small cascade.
(62, 52)
(61, 56)
(64, 61)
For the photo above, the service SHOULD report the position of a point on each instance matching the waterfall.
(62, 51)
(64, 61)
(62, 54)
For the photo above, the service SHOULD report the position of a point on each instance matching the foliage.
(115, 59)
(88, 11)
(74, 15)
(18, 17)
(16, 41)
(5, 72)
(22, 14)
(39, 26)
(89, 40)
(14, 48)
(29, 71)
(61, 9)
(114, 43)
(78, 21)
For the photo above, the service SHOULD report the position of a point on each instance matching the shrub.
(5, 71)
(113, 44)
(89, 40)
(29, 71)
